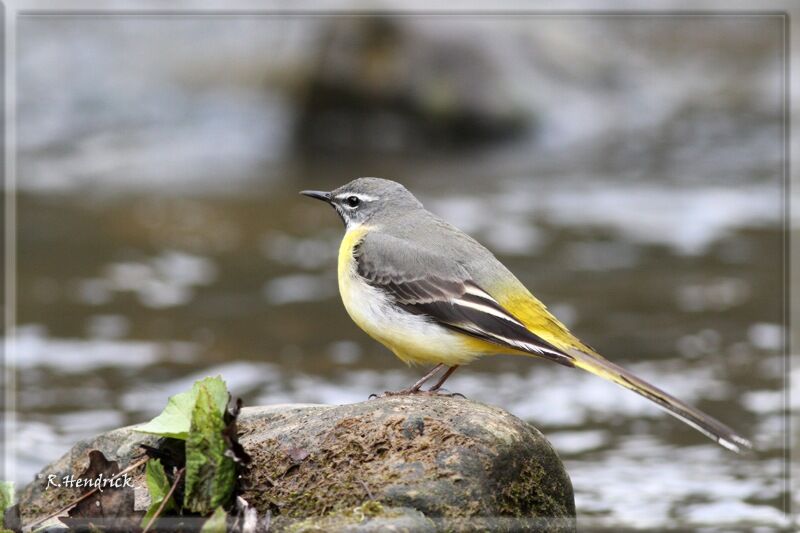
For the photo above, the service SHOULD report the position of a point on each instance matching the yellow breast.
(346, 260)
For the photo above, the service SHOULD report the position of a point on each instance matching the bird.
(434, 295)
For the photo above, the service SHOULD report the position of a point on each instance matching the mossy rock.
(460, 463)
(401, 463)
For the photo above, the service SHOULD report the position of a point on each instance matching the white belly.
(413, 338)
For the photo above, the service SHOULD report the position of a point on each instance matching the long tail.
(702, 422)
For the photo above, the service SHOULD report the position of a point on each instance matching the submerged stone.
(391, 85)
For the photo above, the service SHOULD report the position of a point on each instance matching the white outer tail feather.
(705, 424)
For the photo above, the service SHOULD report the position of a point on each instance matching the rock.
(403, 463)
(393, 85)
(41, 498)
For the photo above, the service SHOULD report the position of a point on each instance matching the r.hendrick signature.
(100, 482)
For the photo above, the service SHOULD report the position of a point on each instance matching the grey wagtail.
(434, 295)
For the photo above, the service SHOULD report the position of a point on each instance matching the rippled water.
(161, 239)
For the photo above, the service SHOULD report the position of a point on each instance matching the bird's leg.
(443, 379)
(418, 385)
(413, 389)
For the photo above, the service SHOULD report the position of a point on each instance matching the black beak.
(319, 195)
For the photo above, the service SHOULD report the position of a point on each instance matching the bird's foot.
(402, 392)
(409, 392)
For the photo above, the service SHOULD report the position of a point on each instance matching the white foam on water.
(34, 349)
(686, 218)
(573, 442)
(642, 488)
(240, 377)
(299, 288)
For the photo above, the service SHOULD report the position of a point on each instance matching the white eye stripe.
(361, 196)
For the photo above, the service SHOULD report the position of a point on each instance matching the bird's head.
(366, 199)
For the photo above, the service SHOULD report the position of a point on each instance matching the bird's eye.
(353, 201)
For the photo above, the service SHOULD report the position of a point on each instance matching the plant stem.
(165, 500)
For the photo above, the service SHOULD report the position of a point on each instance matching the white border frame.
(789, 9)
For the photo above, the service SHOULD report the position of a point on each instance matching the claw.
(445, 393)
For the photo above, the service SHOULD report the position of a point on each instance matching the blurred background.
(628, 169)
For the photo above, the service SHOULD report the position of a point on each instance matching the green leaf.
(158, 486)
(175, 420)
(215, 524)
(6, 499)
(210, 472)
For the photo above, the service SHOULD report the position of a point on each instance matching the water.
(161, 239)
